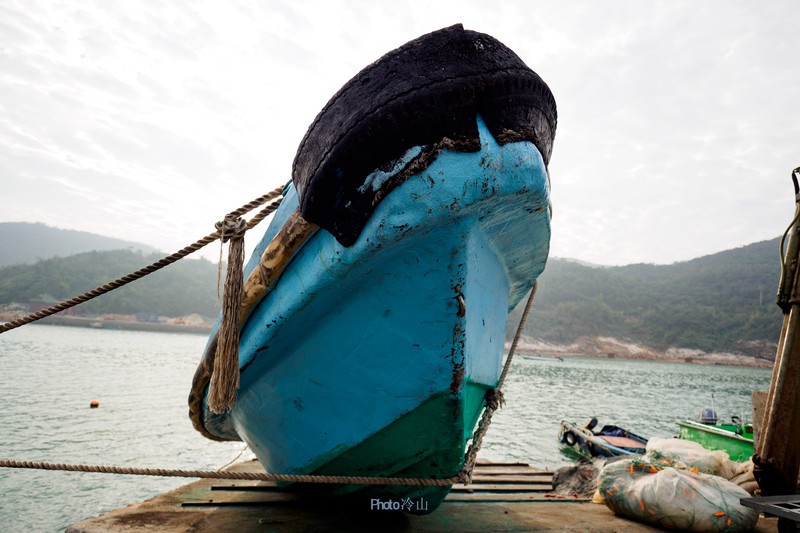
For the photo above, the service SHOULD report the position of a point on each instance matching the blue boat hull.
(375, 307)
(403, 329)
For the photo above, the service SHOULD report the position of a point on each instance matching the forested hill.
(186, 287)
(23, 242)
(720, 302)
(723, 302)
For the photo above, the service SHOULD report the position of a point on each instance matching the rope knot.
(231, 228)
(494, 399)
(465, 475)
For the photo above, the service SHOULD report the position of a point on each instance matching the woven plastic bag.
(692, 454)
(674, 498)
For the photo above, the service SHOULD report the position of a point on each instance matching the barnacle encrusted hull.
(372, 353)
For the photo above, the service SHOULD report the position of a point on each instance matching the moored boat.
(735, 438)
(417, 217)
(609, 441)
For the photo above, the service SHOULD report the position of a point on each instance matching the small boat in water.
(540, 357)
(735, 438)
(609, 441)
(417, 216)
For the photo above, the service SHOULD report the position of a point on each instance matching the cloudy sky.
(679, 121)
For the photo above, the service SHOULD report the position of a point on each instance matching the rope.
(795, 172)
(251, 476)
(229, 463)
(225, 375)
(521, 326)
(494, 399)
(180, 254)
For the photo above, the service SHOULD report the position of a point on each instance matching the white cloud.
(148, 121)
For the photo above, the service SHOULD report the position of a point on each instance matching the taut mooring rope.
(180, 254)
(253, 476)
(494, 398)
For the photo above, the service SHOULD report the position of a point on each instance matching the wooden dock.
(501, 497)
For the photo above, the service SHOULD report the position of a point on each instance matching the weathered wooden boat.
(736, 438)
(417, 217)
(609, 441)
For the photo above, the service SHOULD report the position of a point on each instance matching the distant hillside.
(26, 243)
(186, 287)
(720, 302)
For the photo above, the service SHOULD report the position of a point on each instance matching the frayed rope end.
(225, 376)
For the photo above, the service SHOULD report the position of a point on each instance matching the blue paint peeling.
(379, 177)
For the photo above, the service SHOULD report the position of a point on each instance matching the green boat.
(736, 438)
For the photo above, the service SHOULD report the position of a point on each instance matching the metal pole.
(777, 457)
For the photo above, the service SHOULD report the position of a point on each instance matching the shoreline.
(128, 325)
(595, 347)
(610, 348)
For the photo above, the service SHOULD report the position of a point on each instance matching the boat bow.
(372, 351)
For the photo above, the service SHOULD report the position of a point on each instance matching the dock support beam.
(777, 457)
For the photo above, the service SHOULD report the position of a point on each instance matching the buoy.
(94, 404)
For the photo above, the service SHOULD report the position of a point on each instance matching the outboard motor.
(708, 416)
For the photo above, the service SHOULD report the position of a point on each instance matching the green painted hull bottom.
(738, 449)
(428, 442)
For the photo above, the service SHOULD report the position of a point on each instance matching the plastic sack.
(674, 498)
(745, 478)
(692, 455)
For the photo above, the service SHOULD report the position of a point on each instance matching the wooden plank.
(248, 488)
(513, 487)
(509, 470)
(482, 466)
(510, 497)
(228, 498)
(521, 483)
(481, 463)
(247, 485)
(499, 478)
(476, 479)
(490, 482)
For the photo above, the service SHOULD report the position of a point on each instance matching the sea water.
(50, 374)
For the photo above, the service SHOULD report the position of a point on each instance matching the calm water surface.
(49, 374)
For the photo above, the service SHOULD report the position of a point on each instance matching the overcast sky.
(679, 121)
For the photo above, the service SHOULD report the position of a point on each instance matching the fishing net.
(662, 492)
(691, 455)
